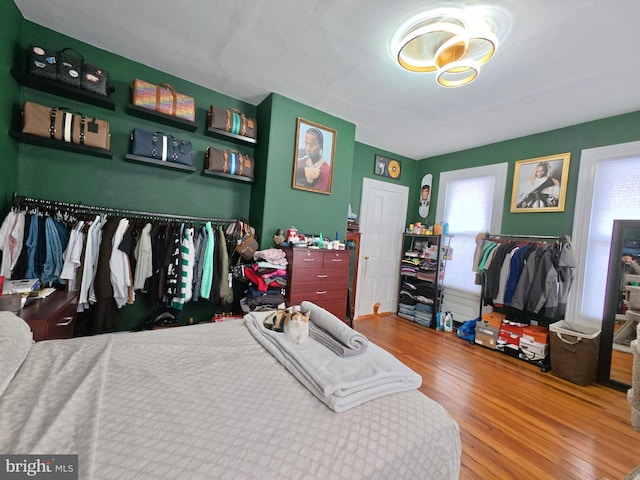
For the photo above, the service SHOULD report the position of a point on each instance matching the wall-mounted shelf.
(169, 120)
(129, 157)
(232, 137)
(59, 144)
(228, 176)
(57, 88)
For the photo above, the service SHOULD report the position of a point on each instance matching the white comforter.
(208, 402)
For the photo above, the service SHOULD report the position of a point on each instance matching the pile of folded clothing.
(423, 314)
(406, 309)
(410, 267)
(267, 277)
(257, 300)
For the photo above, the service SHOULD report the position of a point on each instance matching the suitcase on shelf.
(96, 80)
(231, 120)
(229, 161)
(43, 63)
(70, 67)
(161, 146)
(60, 124)
(163, 98)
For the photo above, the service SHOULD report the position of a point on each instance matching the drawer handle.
(309, 259)
(336, 259)
(322, 276)
(64, 324)
(324, 292)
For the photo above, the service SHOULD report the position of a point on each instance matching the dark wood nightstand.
(52, 317)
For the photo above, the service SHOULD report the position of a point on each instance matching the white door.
(383, 210)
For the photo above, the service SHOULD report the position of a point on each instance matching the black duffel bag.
(70, 67)
(161, 146)
(43, 62)
(96, 79)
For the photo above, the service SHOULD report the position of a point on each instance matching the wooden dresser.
(318, 276)
(52, 317)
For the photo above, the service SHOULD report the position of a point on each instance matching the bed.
(206, 401)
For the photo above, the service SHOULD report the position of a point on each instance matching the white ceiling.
(559, 63)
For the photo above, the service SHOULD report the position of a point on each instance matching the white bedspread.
(208, 402)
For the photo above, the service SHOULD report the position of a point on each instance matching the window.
(470, 201)
(609, 182)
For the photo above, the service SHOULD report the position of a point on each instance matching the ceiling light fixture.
(447, 45)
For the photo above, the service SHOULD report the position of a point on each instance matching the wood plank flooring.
(516, 422)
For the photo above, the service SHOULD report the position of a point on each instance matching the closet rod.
(539, 237)
(22, 201)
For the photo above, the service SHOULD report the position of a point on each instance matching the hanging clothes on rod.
(108, 255)
(68, 209)
(531, 273)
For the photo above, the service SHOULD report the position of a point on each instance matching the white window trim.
(589, 159)
(499, 170)
(463, 303)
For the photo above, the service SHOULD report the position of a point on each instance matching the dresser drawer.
(311, 278)
(62, 325)
(316, 294)
(336, 259)
(306, 258)
(52, 317)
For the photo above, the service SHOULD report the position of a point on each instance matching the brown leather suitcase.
(231, 120)
(229, 161)
(60, 124)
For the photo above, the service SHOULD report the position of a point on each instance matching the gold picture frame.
(540, 184)
(314, 157)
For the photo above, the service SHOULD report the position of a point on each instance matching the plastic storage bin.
(574, 351)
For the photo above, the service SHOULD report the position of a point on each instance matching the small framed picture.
(314, 157)
(540, 184)
(386, 167)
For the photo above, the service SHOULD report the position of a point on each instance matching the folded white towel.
(337, 347)
(335, 334)
(340, 383)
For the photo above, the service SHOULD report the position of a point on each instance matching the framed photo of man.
(540, 184)
(314, 157)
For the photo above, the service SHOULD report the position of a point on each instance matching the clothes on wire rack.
(108, 259)
(526, 274)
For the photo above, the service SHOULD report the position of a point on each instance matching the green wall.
(9, 37)
(608, 131)
(283, 206)
(363, 164)
(58, 175)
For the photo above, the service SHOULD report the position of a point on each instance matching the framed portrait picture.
(314, 157)
(540, 184)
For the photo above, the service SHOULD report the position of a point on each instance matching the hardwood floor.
(516, 422)
(621, 366)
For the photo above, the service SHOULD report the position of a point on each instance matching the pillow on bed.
(16, 339)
